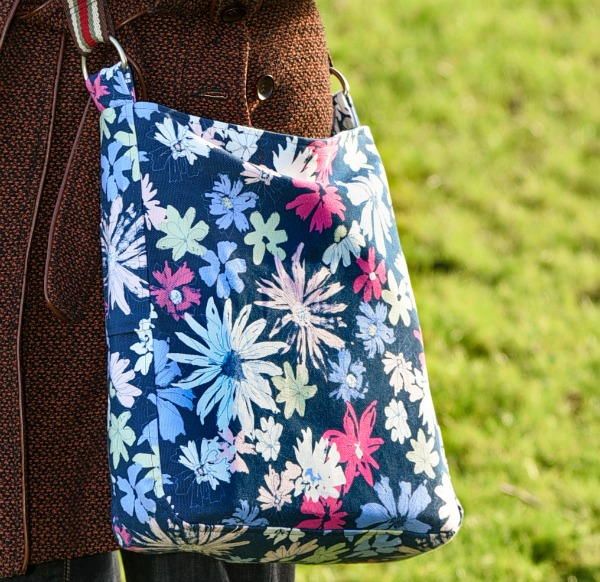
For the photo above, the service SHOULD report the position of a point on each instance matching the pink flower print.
(122, 534)
(372, 278)
(321, 201)
(356, 445)
(324, 152)
(209, 134)
(97, 90)
(234, 447)
(326, 512)
(174, 294)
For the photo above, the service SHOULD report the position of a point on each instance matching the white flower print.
(347, 243)
(123, 251)
(243, 144)
(354, 158)
(402, 268)
(307, 308)
(397, 421)
(255, 173)
(398, 297)
(426, 410)
(182, 142)
(319, 473)
(450, 510)
(208, 466)
(155, 214)
(278, 490)
(267, 439)
(376, 217)
(144, 347)
(423, 455)
(295, 164)
(120, 378)
(402, 375)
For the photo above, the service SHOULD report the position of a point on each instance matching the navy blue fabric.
(268, 392)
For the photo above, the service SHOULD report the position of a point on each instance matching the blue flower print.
(167, 399)
(170, 421)
(349, 376)
(229, 203)
(246, 514)
(135, 500)
(113, 168)
(401, 513)
(373, 331)
(233, 362)
(227, 279)
(208, 466)
(165, 371)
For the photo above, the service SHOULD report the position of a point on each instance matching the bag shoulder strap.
(89, 22)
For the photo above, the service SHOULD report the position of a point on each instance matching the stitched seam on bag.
(151, 386)
(344, 531)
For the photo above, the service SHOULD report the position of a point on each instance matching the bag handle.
(89, 22)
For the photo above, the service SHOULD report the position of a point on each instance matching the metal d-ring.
(340, 77)
(120, 51)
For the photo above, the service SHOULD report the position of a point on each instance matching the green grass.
(487, 116)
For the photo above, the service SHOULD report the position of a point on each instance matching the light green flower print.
(121, 436)
(294, 392)
(107, 118)
(291, 553)
(181, 236)
(329, 554)
(374, 543)
(265, 230)
(151, 462)
(279, 534)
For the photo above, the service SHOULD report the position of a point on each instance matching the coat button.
(233, 12)
(265, 87)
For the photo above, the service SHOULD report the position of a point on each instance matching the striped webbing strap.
(89, 22)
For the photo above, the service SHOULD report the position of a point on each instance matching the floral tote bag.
(268, 394)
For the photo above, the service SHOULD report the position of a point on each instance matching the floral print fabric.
(267, 384)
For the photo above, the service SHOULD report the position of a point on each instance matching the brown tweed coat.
(54, 484)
